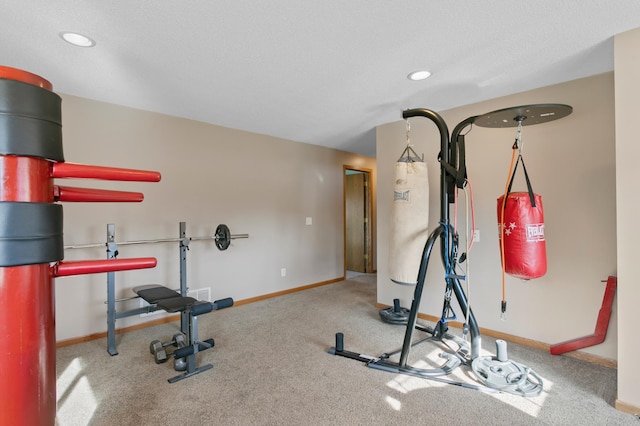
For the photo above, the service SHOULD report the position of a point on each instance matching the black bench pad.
(154, 293)
(172, 301)
(176, 304)
(165, 298)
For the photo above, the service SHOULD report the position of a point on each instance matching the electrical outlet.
(283, 272)
(309, 221)
(476, 236)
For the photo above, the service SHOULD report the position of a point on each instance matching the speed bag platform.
(525, 252)
(409, 229)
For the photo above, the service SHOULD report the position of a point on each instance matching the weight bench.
(172, 301)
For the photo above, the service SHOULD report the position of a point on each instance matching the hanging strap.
(526, 176)
(456, 173)
(461, 176)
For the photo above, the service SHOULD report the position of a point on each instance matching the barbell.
(222, 239)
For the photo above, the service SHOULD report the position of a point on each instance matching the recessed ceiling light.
(419, 75)
(77, 39)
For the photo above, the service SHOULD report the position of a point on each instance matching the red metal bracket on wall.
(602, 324)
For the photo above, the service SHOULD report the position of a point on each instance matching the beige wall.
(255, 184)
(571, 163)
(627, 93)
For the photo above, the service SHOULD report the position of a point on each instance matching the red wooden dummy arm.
(71, 170)
(80, 267)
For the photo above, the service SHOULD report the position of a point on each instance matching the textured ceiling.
(322, 72)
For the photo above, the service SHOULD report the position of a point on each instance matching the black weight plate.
(223, 237)
(391, 316)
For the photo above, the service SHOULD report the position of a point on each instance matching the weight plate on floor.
(507, 376)
(394, 316)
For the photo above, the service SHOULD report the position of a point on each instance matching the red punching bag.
(521, 222)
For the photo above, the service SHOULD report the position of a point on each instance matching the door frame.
(368, 216)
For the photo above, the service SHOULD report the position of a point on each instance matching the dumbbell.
(157, 348)
(180, 355)
(180, 364)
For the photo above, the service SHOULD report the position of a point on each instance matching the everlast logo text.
(535, 232)
(401, 196)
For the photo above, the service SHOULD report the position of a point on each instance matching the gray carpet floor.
(271, 367)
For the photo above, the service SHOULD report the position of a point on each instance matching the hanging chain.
(408, 130)
(411, 154)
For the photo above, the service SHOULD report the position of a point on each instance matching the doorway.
(357, 220)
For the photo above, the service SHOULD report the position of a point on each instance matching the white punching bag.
(409, 221)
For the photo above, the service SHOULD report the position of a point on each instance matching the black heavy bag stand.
(452, 175)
